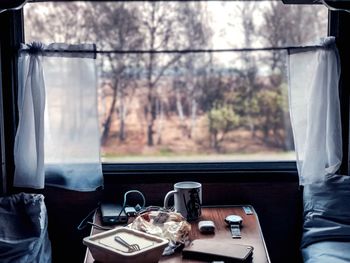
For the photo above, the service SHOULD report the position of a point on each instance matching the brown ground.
(174, 140)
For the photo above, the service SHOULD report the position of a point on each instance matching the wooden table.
(251, 233)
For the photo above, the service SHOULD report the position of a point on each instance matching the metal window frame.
(155, 172)
(11, 35)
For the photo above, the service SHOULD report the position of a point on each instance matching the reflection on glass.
(208, 106)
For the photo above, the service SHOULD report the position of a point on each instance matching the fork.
(130, 247)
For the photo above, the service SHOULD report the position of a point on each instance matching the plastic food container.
(104, 248)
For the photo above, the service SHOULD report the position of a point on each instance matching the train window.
(187, 81)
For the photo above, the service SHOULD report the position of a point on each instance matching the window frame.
(10, 39)
(248, 171)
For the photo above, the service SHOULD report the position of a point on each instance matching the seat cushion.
(326, 231)
(23, 232)
(327, 252)
(327, 211)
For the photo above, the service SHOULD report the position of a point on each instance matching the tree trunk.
(122, 115)
(193, 117)
(216, 141)
(107, 124)
(160, 113)
(179, 107)
(251, 124)
(150, 97)
(150, 134)
(288, 136)
(150, 116)
(122, 130)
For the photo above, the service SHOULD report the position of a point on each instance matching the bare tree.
(118, 26)
(164, 25)
(248, 73)
(196, 35)
(157, 25)
(112, 26)
(287, 26)
(56, 22)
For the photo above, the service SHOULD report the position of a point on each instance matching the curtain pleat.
(29, 140)
(58, 84)
(315, 111)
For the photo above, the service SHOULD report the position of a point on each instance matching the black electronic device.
(112, 214)
(217, 250)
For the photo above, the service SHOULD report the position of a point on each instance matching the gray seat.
(23, 232)
(326, 232)
(327, 252)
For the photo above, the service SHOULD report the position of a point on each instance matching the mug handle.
(167, 197)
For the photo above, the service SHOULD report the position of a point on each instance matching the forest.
(187, 81)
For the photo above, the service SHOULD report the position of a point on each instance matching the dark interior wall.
(276, 200)
(10, 37)
(339, 29)
(2, 160)
(278, 205)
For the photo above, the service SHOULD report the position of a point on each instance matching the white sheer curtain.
(29, 141)
(315, 111)
(69, 136)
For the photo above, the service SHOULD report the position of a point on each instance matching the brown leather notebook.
(217, 250)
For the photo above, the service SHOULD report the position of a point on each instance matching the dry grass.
(175, 144)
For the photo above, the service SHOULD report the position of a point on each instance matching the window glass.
(221, 100)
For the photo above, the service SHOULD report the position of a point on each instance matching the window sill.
(204, 172)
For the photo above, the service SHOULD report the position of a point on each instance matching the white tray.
(104, 248)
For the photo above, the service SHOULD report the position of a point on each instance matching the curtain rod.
(207, 50)
(176, 51)
(42, 1)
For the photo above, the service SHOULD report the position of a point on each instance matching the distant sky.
(225, 22)
(221, 14)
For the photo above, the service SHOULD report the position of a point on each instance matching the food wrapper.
(170, 225)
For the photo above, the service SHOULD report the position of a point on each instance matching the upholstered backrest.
(23, 232)
(327, 211)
